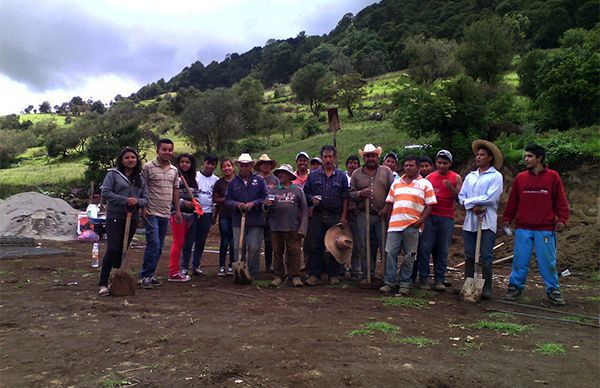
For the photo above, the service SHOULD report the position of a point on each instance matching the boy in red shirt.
(539, 206)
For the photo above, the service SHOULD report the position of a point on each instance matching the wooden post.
(334, 123)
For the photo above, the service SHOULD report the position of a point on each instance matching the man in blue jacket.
(246, 193)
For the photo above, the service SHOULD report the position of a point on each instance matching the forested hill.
(372, 42)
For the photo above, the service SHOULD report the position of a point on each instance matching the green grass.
(314, 299)
(37, 117)
(549, 348)
(423, 293)
(262, 283)
(421, 342)
(575, 318)
(594, 299)
(370, 328)
(595, 276)
(498, 315)
(504, 327)
(402, 301)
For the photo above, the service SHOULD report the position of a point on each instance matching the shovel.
(368, 247)
(241, 273)
(473, 287)
(121, 283)
(382, 248)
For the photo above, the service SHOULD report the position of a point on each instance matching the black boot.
(487, 276)
(469, 268)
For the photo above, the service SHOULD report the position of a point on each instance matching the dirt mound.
(578, 248)
(39, 216)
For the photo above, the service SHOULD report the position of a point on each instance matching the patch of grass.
(595, 276)
(341, 284)
(370, 328)
(403, 301)
(421, 342)
(423, 293)
(549, 348)
(594, 299)
(361, 332)
(314, 299)
(504, 327)
(468, 346)
(498, 315)
(575, 318)
(262, 283)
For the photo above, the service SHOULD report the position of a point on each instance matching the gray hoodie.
(116, 188)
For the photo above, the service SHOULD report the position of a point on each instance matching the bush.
(564, 153)
(251, 145)
(311, 128)
(299, 118)
(12, 143)
(60, 141)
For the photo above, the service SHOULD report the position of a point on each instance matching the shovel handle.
(126, 238)
(368, 237)
(242, 235)
(478, 241)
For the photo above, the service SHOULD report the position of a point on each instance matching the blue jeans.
(545, 251)
(488, 239)
(319, 223)
(406, 240)
(436, 240)
(196, 236)
(156, 230)
(251, 249)
(375, 237)
(226, 232)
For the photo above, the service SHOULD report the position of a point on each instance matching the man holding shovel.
(480, 196)
(539, 206)
(246, 194)
(370, 186)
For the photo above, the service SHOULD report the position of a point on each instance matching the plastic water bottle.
(95, 252)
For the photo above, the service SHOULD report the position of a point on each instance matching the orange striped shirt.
(409, 201)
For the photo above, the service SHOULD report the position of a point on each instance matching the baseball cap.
(302, 153)
(444, 153)
(392, 154)
(318, 160)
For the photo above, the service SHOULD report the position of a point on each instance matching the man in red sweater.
(539, 206)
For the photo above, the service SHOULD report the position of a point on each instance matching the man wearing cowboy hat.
(480, 196)
(327, 191)
(246, 193)
(288, 218)
(264, 167)
(371, 181)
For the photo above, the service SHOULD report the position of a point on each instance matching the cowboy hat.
(245, 158)
(264, 158)
(370, 149)
(338, 242)
(285, 168)
(498, 158)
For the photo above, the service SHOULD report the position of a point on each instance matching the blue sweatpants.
(544, 242)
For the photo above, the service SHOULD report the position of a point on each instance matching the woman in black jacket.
(124, 189)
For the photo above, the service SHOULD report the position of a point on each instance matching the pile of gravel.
(38, 216)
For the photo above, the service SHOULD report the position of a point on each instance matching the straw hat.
(264, 158)
(498, 157)
(245, 158)
(370, 149)
(338, 242)
(285, 168)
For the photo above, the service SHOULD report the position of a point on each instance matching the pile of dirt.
(38, 216)
(578, 248)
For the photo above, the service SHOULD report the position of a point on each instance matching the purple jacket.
(239, 192)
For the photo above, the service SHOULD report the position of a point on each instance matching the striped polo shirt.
(409, 200)
(160, 182)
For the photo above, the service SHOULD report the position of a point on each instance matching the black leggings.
(115, 228)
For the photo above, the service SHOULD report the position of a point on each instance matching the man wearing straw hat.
(264, 167)
(480, 196)
(371, 182)
(286, 205)
(246, 193)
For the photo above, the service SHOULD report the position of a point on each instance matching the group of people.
(325, 220)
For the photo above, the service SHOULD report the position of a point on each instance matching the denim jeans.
(407, 240)
(197, 237)
(375, 237)
(488, 238)
(251, 249)
(436, 240)
(544, 242)
(156, 230)
(226, 232)
(319, 223)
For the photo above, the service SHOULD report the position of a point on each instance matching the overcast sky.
(56, 49)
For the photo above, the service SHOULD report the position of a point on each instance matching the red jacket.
(537, 202)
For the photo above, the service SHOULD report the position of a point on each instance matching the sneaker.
(146, 283)
(179, 278)
(556, 298)
(403, 291)
(387, 289)
(230, 271)
(439, 287)
(104, 291)
(221, 271)
(183, 272)
(513, 293)
(155, 281)
(296, 282)
(312, 281)
(334, 280)
(277, 281)
(423, 285)
(447, 283)
(198, 272)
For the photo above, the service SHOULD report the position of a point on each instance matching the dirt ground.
(56, 331)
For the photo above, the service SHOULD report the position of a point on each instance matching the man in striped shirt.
(409, 200)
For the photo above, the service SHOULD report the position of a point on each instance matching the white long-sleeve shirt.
(481, 189)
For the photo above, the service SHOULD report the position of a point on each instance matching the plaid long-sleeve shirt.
(332, 189)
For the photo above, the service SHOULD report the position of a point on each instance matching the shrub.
(564, 153)
(311, 128)
(12, 143)
(251, 144)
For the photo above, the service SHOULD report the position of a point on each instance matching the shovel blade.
(241, 273)
(122, 284)
(472, 289)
